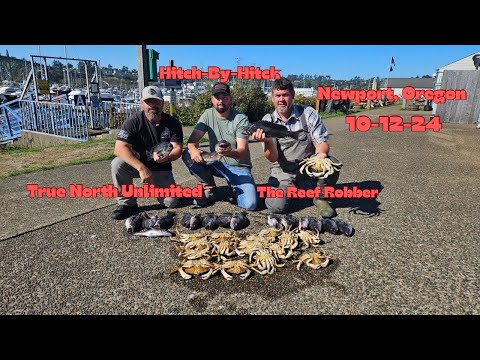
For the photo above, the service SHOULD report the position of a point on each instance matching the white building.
(308, 92)
(397, 84)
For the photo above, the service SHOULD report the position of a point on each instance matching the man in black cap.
(222, 122)
(140, 133)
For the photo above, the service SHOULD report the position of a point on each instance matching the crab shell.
(200, 267)
(314, 259)
(236, 267)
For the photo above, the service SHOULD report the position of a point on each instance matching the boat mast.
(66, 61)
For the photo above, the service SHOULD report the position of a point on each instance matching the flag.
(391, 69)
(392, 62)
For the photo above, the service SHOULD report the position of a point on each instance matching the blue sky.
(341, 62)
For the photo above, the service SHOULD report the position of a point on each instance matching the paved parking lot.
(415, 249)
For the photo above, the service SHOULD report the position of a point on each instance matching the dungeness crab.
(314, 259)
(317, 167)
(201, 267)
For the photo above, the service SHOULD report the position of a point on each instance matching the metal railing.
(61, 119)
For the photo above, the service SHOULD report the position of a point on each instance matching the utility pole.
(142, 64)
(237, 61)
(173, 96)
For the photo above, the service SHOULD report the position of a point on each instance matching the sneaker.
(207, 198)
(324, 208)
(124, 211)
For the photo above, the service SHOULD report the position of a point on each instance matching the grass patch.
(18, 159)
(202, 140)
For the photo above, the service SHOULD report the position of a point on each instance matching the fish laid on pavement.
(153, 233)
(289, 222)
(223, 220)
(162, 149)
(274, 221)
(344, 227)
(314, 224)
(209, 221)
(329, 225)
(191, 222)
(135, 222)
(239, 221)
(273, 130)
(166, 221)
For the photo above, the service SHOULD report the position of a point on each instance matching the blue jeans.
(240, 179)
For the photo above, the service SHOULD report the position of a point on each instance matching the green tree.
(250, 99)
(305, 100)
(189, 115)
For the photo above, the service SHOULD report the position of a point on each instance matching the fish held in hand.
(223, 146)
(162, 149)
(273, 130)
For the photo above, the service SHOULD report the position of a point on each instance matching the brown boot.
(324, 208)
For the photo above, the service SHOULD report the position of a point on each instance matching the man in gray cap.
(140, 133)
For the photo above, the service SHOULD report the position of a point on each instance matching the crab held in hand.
(314, 166)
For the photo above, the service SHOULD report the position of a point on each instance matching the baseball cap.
(221, 88)
(152, 92)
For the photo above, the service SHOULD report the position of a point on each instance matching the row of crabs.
(205, 253)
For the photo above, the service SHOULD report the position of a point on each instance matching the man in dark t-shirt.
(139, 135)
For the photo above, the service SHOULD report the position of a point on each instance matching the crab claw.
(226, 275)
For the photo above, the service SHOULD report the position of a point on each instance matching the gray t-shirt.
(225, 129)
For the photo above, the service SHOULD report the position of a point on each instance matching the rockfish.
(273, 130)
(162, 149)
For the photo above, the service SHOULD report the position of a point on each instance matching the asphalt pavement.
(415, 249)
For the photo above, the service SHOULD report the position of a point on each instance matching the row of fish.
(210, 221)
(332, 226)
(144, 224)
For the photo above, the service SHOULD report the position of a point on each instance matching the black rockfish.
(274, 221)
(289, 222)
(239, 221)
(273, 130)
(209, 221)
(191, 222)
(344, 227)
(166, 221)
(224, 219)
(162, 149)
(135, 222)
(330, 226)
(315, 224)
